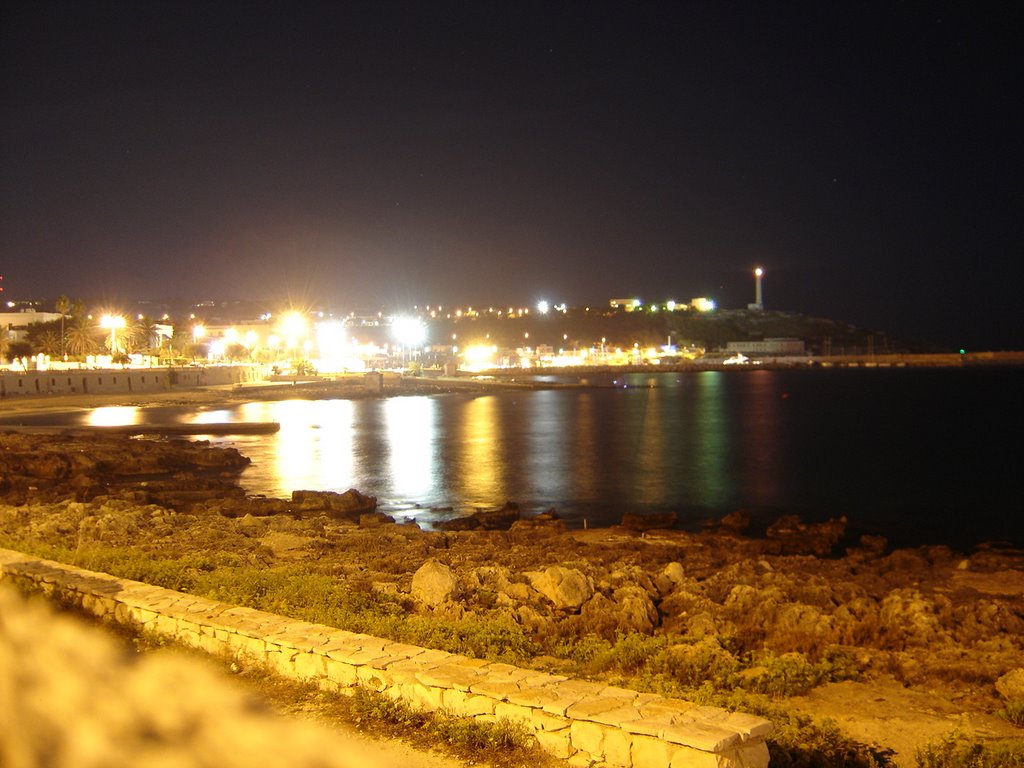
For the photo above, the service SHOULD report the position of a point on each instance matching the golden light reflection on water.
(649, 442)
(114, 416)
(761, 419)
(585, 468)
(337, 450)
(712, 432)
(480, 467)
(297, 456)
(409, 424)
(547, 451)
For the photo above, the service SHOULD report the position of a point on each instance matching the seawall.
(82, 381)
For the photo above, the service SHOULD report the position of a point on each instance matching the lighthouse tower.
(758, 304)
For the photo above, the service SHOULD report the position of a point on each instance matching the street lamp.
(113, 323)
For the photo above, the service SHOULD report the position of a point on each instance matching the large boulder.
(434, 584)
(350, 504)
(566, 588)
(670, 577)
(1011, 685)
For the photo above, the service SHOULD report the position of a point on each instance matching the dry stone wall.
(582, 722)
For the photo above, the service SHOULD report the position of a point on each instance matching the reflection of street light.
(113, 323)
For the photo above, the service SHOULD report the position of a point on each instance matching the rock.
(735, 522)
(374, 519)
(790, 536)
(635, 610)
(649, 522)
(433, 584)
(350, 504)
(671, 576)
(905, 613)
(500, 519)
(1011, 685)
(869, 547)
(566, 588)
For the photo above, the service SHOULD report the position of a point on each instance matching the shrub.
(956, 751)
(1014, 712)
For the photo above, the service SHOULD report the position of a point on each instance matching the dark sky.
(867, 154)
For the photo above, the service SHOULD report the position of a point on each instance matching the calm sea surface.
(921, 456)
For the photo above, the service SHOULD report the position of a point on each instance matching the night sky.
(868, 155)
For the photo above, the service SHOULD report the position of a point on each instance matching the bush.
(956, 751)
(1014, 712)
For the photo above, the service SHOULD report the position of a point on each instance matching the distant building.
(770, 347)
(627, 304)
(16, 323)
(702, 304)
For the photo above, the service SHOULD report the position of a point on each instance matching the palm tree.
(49, 343)
(141, 335)
(82, 337)
(63, 305)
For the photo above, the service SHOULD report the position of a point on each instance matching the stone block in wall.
(514, 712)
(608, 709)
(587, 737)
(749, 756)
(300, 635)
(747, 726)
(164, 625)
(565, 694)
(425, 697)
(279, 659)
(544, 721)
(688, 757)
(703, 736)
(556, 743)
(339, 672)
(209, 643)
(649, 752)
(465, 704)
(188, 633)
(248, 646)
(310, 666)
(618, 747)
(371, 678)
(452, 675)
(97, 605)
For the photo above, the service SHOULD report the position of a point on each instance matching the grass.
(1013, 712)
(957, 751)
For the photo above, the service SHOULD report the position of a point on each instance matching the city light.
(408, 331)
(113, 323)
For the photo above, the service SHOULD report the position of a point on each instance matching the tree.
(142, 335)
(63, 305)
(18, 349)
(49, 343)
(81, 340)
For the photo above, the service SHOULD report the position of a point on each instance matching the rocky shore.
(899, 647)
